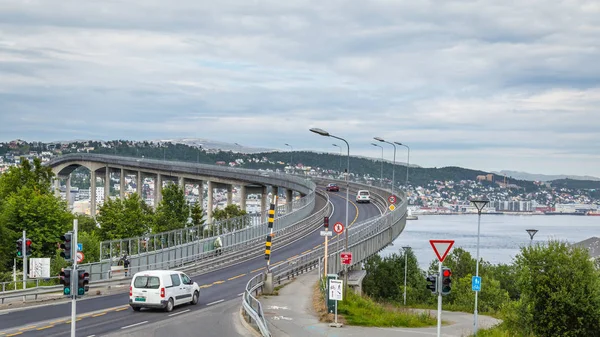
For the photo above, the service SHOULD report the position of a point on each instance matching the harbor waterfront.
(502, 236)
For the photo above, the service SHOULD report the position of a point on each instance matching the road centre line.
(132, 325)
(233, 278)
(215, 302)
(178, 313)
(218, 282)
(45, 327)
(255, 270)
(14, 334)
(99, 314)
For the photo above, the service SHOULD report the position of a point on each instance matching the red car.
(332, 188)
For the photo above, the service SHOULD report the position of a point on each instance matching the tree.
(173, 211)
(86, 223)
(233, 213)
(36, 177)
(120, 219)
(385, 278)
(43, 216)
(560, 291)
(197, 214)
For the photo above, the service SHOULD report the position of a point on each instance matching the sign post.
(443, 247)
(326, 233)
(338, 228)
(346, 257)
(336, 294)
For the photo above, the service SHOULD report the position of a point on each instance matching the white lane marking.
(132, 325)
(179, 312)
(92, 336)
(240, 294)
(215, 302)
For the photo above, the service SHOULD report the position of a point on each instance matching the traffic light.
(20, 248)
(83, 278)
(66, 246)
(446, 281)
(432, 283)
(27, 247)
(326, 222)
(65, 279)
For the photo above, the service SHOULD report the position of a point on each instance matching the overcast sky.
(491, 85)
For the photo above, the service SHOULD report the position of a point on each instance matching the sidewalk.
(290, 314)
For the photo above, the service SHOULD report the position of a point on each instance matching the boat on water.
(410, 216)
(593, 213)
(565, 213)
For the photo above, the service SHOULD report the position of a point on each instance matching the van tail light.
(162, 292)
(130, 291)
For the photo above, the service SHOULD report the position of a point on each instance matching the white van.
(363, 196)
(162, 289)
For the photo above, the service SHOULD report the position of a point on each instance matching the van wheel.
(136, 308)
(195, 298)
(169, 306)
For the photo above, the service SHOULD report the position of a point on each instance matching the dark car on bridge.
(332, 188)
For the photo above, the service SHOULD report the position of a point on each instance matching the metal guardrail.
(252, 308)
(365, 239)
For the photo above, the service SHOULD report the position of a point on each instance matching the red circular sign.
(392, 199)
(338, 227)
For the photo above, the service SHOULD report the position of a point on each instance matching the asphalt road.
(102, 315)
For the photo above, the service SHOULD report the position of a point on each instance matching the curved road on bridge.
(103, 315)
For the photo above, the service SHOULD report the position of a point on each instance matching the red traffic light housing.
(28, 247)
(447, 272)
(326, 222)
(446, 281)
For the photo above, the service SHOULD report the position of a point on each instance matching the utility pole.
(439, 291)
(74, 279)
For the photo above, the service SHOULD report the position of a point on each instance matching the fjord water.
(501, 238)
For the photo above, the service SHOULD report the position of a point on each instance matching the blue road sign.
(476, 283)
(79, 247)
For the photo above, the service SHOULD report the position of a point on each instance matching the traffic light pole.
(24, 252)
(74, 279)
(439, 290)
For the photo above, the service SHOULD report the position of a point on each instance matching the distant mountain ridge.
(543, 177)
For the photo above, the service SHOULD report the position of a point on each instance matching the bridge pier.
(209, 206)
(289, 198)
(68, 192)
(243, 197)
(106, 183)
(157, 189)
(93, 193)
(229, 195)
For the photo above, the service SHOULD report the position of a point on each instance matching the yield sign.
(441, 246)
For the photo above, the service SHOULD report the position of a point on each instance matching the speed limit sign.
(392, 199)
(338, 227)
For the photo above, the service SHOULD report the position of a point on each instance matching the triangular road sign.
(441, 246)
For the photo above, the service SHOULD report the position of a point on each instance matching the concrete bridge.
(182, 173)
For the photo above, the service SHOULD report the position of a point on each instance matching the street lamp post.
(291, 156)
(381, 178)
(394, 163)
(407, 161)
(340, 169)
(531, 233)
(406, 248)
(479, 204)
(346, 225)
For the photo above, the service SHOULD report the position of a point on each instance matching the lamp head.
(479, 203)
(286, 144)
(398, 143)
(335, 145)
(320, 131)
(379, 139)
(374, 144)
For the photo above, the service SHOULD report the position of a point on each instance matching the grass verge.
(362, 311)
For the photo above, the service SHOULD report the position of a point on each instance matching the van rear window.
(146, 282)
(364, 193)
